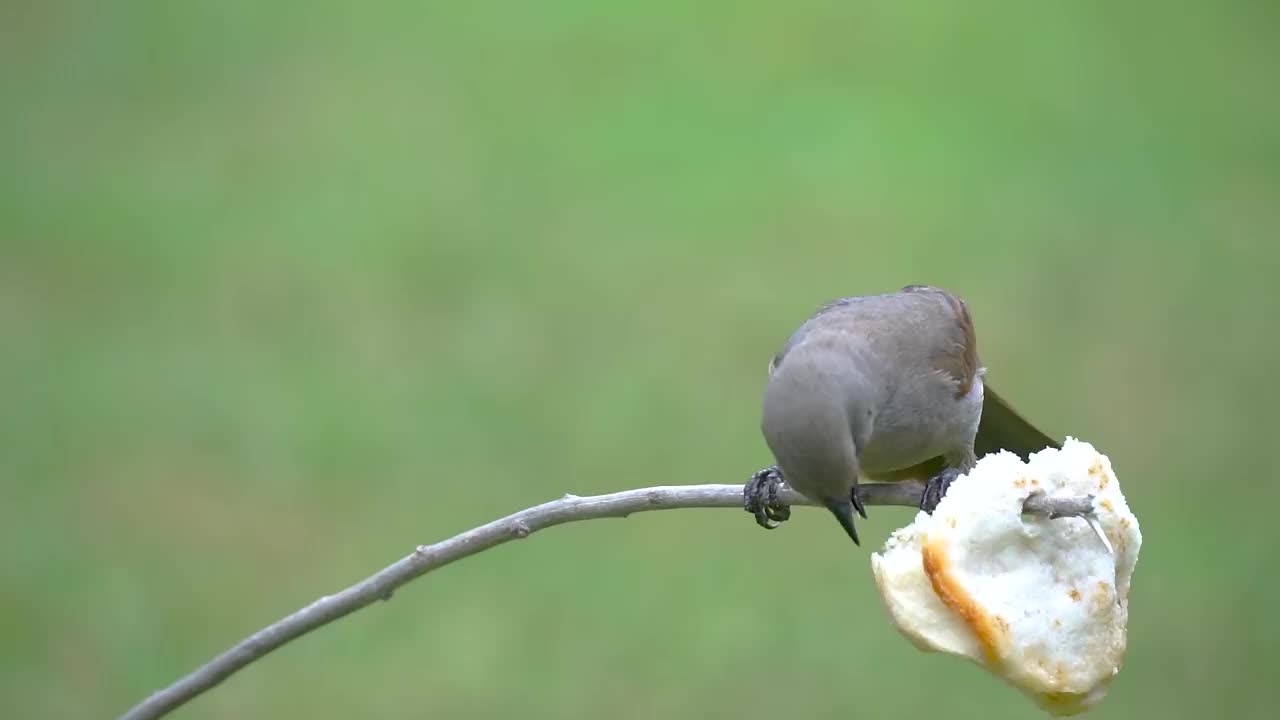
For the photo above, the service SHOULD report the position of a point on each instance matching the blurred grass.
(289, 288)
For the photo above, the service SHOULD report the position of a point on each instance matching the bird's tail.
(1002, 428)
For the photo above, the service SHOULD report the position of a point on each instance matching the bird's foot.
(936, 488)
(760, 498)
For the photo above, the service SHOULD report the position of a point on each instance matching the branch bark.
(569, 508)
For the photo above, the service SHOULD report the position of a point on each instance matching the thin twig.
(569, 508)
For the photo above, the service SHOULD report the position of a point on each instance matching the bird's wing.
(956, 352)
(1002, 428)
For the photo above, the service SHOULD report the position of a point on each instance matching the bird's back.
(918, 322)
(917, 349)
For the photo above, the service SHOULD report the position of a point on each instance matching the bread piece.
(1042, 604)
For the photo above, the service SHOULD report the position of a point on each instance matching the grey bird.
(884, 388)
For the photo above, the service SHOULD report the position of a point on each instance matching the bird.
(886, 388)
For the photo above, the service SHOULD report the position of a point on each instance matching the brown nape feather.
(969, 353)
(1002, 428)
(960, 361)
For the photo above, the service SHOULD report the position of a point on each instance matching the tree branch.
(569, 508)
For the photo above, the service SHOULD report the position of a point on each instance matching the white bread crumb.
(1040, 603)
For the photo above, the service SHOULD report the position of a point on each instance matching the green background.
(289, 288)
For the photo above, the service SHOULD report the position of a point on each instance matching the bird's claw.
(936, 488)
(760, 498)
